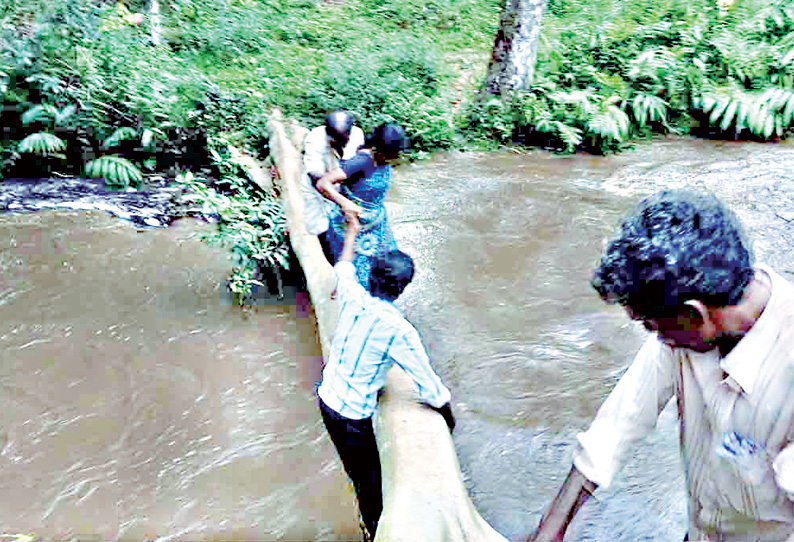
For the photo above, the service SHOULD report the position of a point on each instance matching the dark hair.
(390, 274)
(338, 124)
(678, 245)
(388, 139)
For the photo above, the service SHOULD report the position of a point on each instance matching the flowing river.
(137, 403)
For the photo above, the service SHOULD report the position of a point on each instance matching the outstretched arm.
(348, 252)
(572, 495)
(327, 186)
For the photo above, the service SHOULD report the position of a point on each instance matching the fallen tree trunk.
(424, 498)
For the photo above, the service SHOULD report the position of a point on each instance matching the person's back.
(359, 187)
(371, 335)
(324, 146)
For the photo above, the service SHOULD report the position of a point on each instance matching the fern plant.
(647, 108)
(124, 133)
(42, 143)
(117, 172)
(49, 114)
(765, 113)
(611, 123)
(571, 136)
(253, 226)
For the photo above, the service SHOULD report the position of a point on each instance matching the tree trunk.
(156, 23)
(515, 49)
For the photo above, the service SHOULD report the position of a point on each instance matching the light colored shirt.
(737, 424)
(319, 158)
(371, 334)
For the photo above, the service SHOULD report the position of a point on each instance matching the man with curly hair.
(723, 345)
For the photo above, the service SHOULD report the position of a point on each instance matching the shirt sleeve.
(360, 165)
(314, 149)
(408, 352)
(347, 287)
(628, 414)
(783, 466)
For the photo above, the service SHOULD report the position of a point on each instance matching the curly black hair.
(678, 245)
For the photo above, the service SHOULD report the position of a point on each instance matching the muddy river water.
(137, 403)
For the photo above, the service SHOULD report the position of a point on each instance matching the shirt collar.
(744, 361)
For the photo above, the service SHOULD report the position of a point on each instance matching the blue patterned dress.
(375, 236)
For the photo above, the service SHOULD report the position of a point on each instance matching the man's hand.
(350, 209)
(353, 225)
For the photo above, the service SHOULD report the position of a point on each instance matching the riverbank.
(157, 205)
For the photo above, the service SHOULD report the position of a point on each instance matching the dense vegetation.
(89, 89)
(611, 70)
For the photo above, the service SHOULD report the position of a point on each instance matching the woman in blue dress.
(359, 187)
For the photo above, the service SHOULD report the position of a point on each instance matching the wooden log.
(423, 492)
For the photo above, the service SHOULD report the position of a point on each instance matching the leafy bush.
(609, 70)
(42, 143)
(765, 114)
(251, 224)
(117, 172)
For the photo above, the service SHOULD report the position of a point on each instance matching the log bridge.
(424, 498)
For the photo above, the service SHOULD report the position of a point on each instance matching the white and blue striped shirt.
(371, 334)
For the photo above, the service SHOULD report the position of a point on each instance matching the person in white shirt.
(323, 148)
(371, 335)
(723, 346)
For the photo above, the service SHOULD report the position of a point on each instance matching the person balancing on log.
(371, 334)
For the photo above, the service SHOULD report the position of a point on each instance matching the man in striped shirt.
(371, 334)
(723, 345)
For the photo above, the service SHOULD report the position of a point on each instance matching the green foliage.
(48, 114)
(490, 119)
(610, 70)
(42, 143)
(647, 109)
(251, 224)
(607, 70)
(117, 172)
(765, 114)
(125, 133)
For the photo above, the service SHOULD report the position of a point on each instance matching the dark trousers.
(356, 445)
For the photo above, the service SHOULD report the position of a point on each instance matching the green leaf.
(121, 134)
(716, 113)
(64, 114)
(727, 118)
(42, 143)
(786, 60)
(741, 116)
(33, 114)
(788, 112)
(769, 126)
(115, 170)
(147, 138)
